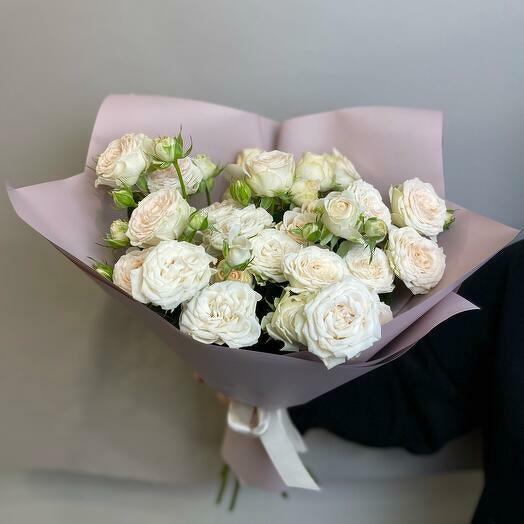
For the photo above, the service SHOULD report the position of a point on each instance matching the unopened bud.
(240, 192)
(375, 229)
(123, 198)
(449, 219)
(198, 221)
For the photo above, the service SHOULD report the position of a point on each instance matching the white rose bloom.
(296, 219)
(162, 215)
(304, 191)
(344, 171)
(415, 203)
(369, 200)
(376, 274)
(133, 259)
(287, 321)
(418, 261)
(243, 222)
(341, 214)
(239, 249)
(204, 164)
(269, 173)
(312, 268)
(172, 272)
(219, 211)
(311, 166)
(385, 313)
(223, 313)
(245, 153)
(268, 249)
(167, 178)
(123, 161)
(342, 321)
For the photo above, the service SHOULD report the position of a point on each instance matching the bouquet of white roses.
(296, 251)
(281, 274)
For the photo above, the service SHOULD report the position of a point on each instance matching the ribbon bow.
(280, 438)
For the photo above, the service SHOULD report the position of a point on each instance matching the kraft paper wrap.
(386, 144)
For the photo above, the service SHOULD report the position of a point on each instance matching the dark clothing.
(467, 373)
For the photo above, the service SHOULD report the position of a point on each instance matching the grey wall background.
(59, 59)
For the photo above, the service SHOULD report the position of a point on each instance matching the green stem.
(223, 482)
(180, 179)
(234, 497)
(208, 196)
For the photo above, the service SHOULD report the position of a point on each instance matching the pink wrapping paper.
(387, 145)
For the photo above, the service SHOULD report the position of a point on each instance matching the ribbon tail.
(283, 452)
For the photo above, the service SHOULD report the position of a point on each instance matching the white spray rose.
(385, 313)
(172, 272)
(219, 211)
(418, 261)
(375, 273)
(223, 313)
(162, 215)
(342, 321)
(245, 153)
(117, 230)
(304, 191)
(312, 268)
(315, 206)
(343, 170)
(415, 203)
(269, 173)
(311, 166)
(342, 214)
(124, 160)
(227, 220)
(204, 164)
(369, 200)
(269, 248)
(168, 178)
(133, 259)
(296, 219)
(287, 321)
(239, 249)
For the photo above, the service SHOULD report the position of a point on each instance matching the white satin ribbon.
(280, 439)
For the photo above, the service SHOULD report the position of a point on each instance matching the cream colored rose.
(343, 170)
(269, 173)
(204, 164)
(341, 214)
(375, 272)
(226, 222)
(245, 154)
(167, 178)
(315, 206)
(415, 203)
(172, 273)
(304, 191)
(369, 200)
(233, 274)
(223, 313)
(268, 250)
(219, 211)
(385, 313)
(311, 166)
(239, 249)
(287, 321)
(342, 321)
(133, 259)
(123, 161)
(294, 219)
(312, 268)
(418, 261)
(162, 215)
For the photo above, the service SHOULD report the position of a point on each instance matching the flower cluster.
(299, 251)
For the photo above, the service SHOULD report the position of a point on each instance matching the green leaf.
(266, 202)
(344, 247)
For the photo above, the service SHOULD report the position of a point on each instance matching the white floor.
(74, 499)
